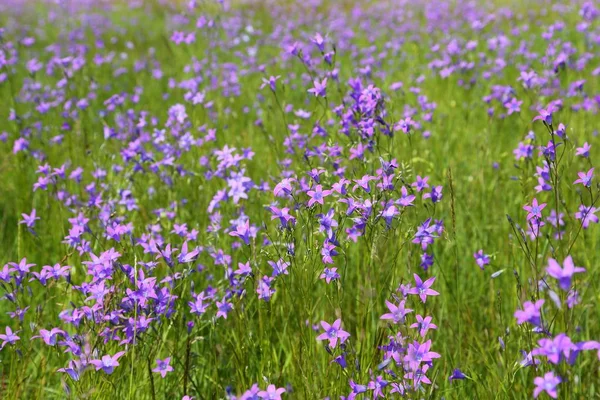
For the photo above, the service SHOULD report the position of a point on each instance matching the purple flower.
(271, 82)
(284, 216)
(542, 186)
(425, 234)
(404, 125)
(49, 337)
(107, 363)
(423, 325)
(243, 269)
(377, 385)
(330, 274)
(583, 151)
(545, 115)
(481, 259)
(547, 383)
(22, 267)
(198, 306)
(421, 183)
(585, 178)
(251, 394)
(423, 289)
(529, 79)
(388, 214)
(534, 210)
(563, 275)
(523, 151)
(272, 393)
(319, 89)
(531, 313)
(513, 106)
(223, 308)
(186, 256)
(528, 359)
(19, 312)
(317, 195)
(75, 368)
(426, 261)
(284, 187)
(163, 367)
(435, 195)
(340, 186)
(341, 360)
(333, 333)
(9, 337)
(177, 113)
(406, 199)
(319, 41)
(397, 313)
(363, 183)
(327, 223)
(242, 231)
(419, 353)
(561, 130)
(264, 290)
(586, 215)
(21, 144)
(397, 388)
(280, 267)
(554, 349)
(356, 389)
(29, 220)
(328, 252)
(457, 374)
(573, 298)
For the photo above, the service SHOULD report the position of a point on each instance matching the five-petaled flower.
(107, 363)
(585, 178)
(49, 336)
(333, 333)
(423, 325)
(531, 313)
(163, 366)
(534, 210)
(317, 195)
(320, 88)
(418, 353)
(272, 393)
(563, 275)
(423, 289)
(271, 82)
(9, 337)
(397, 312)
(481, 259)
(29, 220)
(547, 383)
(544, 115)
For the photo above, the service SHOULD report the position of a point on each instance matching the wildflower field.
(314, 199)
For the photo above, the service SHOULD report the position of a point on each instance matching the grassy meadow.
(192, 194)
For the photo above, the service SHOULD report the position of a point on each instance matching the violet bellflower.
(9, 337)
(108, 363)
(563, 275)
(163, 366)
(548, 383)
(397, 313)
(423, 289)
(333, 333)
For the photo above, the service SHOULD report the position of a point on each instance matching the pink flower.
(272, 393)
(333, 332)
